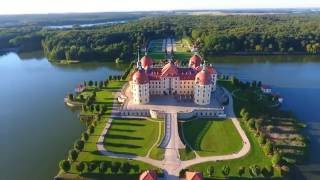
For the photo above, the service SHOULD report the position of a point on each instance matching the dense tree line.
(214, 34)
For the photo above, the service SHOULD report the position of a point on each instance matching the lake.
(37, 129)
(87, 25)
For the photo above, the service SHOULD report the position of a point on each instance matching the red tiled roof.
(195, 61)
(203, 77)
(194, 176)
(140, 76)
(148, 175)
(170, 69)
(210, 69)
(146, 61)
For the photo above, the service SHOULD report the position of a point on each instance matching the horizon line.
(163, 10)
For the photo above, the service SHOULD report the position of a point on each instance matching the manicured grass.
(157, 56)
(131, 136)
(90, 152)
(255, 157)
(182, 56)
(186, 154)
(157, 152)
(212, 137)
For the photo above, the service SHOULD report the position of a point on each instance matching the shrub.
(65, 165)
(115, 167)
(85, 136)
(103, 166)
(125, 168)
(80, 167)
(91, 129)
(90, 83)
(81, 98)
(241, 170)
(251, 123)
(101, 84)
(73, 154)
(268, 148)
(91, 166)
(225, 170)
(254, 170)
(210, 171)
(70, 97)
(262, 139)
(79, 145)
(276, 159)
(97, 107)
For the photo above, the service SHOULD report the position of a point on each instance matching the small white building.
(266, 89)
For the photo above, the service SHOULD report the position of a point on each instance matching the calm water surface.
(36, 129)
(297, 79)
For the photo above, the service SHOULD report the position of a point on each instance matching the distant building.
(266, 89)
(148, 175)
(194, 175)
(79, 88)
(196, 80)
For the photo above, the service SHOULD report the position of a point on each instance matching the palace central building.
(196, 80)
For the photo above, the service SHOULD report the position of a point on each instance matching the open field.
(212, 137)
(131, 136)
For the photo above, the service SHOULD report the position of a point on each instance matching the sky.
(65, 6)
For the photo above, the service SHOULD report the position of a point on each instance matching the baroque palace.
(196, 80)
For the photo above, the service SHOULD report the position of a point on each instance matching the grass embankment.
(157, 152)
(90, 154)
(187, 153)
(131, 136)
(212, 137)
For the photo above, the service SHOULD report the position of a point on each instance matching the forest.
(259, 34)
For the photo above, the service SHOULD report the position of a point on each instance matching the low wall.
(204, 113)
(134, 112)
(156, 114)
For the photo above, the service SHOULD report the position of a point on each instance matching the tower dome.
(140, 77)
(195, 61)
(203, 77)
(146, 61)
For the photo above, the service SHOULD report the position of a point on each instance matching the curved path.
(172, 164)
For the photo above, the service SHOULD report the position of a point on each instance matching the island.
(168, 118)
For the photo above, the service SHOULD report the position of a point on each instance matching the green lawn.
(90, 152)
(187, 153)
(131, 136)
(157, 152)
(255, 157)
(157, 56)
(212, 137)
(182, 56)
